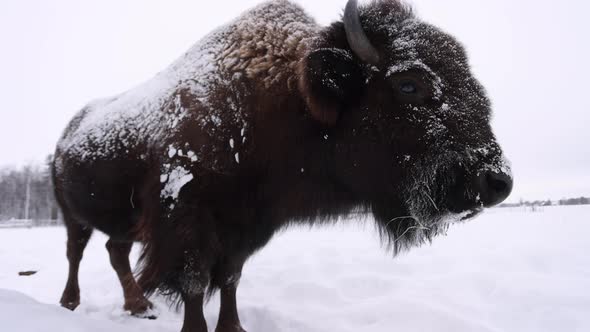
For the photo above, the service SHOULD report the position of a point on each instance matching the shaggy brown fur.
(271, 121)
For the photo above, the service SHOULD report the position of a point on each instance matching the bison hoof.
(141, 308)
(69, 303)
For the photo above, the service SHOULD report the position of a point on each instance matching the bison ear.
(329, 79)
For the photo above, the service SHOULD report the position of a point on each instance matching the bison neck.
(297, 178)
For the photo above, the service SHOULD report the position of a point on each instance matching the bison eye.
(408, 87)
(411, 87)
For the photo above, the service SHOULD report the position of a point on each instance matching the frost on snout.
(445, 188)
(457, 185)
(492, 181)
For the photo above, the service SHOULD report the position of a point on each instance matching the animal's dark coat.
(273, 120)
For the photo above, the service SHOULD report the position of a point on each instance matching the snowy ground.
(509, 270)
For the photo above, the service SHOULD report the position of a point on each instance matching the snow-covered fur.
(273, 120)
(263, 45)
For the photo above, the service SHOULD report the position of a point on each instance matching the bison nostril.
(495, 183)
(493, 187)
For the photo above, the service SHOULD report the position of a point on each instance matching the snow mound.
(22, 313)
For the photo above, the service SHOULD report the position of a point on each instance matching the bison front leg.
(227, 279)
(194, 320)
(228, 311)
(192, 282)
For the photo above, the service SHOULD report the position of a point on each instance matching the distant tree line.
(563, 201)
(575, 201)
(27, 193)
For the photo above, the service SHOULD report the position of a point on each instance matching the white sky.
(532, 56)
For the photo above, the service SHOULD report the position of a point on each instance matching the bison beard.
(270, 121)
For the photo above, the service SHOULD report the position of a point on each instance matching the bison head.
(409, 122)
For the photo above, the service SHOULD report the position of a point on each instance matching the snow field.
(508, 270)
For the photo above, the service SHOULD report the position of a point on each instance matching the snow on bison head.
(413, 124)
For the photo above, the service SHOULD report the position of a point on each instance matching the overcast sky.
(532, 56)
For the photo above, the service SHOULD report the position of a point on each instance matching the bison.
(272, 121)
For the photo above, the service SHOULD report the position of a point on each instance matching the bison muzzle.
(270, 121)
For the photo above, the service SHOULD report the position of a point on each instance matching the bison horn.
(357, 39)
